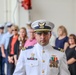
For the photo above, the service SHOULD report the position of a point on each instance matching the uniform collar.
(48, 46)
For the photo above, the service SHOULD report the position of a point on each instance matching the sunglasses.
(14, 30)
(45, 33)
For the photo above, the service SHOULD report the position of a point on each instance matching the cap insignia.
(41, 25)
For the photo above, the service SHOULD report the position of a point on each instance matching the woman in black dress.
(71, 54)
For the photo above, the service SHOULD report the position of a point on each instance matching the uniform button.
(31, 64)
(42, 71)
(43, 61)
(43, 51)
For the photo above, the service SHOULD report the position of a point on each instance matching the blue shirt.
(60, 43)
(1, 36)
(5, 39)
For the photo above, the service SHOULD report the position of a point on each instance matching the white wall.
(60, 12)
(14, 12)
(75, 16)
(6, 10)
(23, 16)
(2, 11)
(19, 15)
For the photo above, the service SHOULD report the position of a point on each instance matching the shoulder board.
(29, 47)
(59, 49)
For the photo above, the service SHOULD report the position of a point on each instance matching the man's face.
(60, 32)
(43, 37)
(1, 30)
(31, 33)
(9, 29)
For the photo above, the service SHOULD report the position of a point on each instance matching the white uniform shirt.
(5, 39)
(40, 64)
(1, 36)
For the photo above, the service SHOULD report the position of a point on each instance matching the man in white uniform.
(42, 59)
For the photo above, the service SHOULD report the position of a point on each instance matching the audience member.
(22, 37)
(13, 49)
(62, 37)
(71, 54)
(4, 45)
(31, 41)
(1, 58)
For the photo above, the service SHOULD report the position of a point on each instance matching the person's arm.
(2, 46)
(71, 61)
(63, 70)
(16, 51)
(20, 67)
(15, 59)
(2, 51)
(10, 59)
(66, 45)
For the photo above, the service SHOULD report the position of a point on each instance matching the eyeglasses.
(14, 30)
(45, 33)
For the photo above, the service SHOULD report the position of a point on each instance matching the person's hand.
(10, 59)
(3, 55)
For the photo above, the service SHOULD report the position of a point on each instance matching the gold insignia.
(23, 48)
(32, 57)
(42, 25)
(32, 54)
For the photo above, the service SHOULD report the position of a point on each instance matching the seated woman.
(71, 54)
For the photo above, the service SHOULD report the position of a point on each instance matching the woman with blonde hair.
(13, 49)
(62, 37)
(22, 37)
